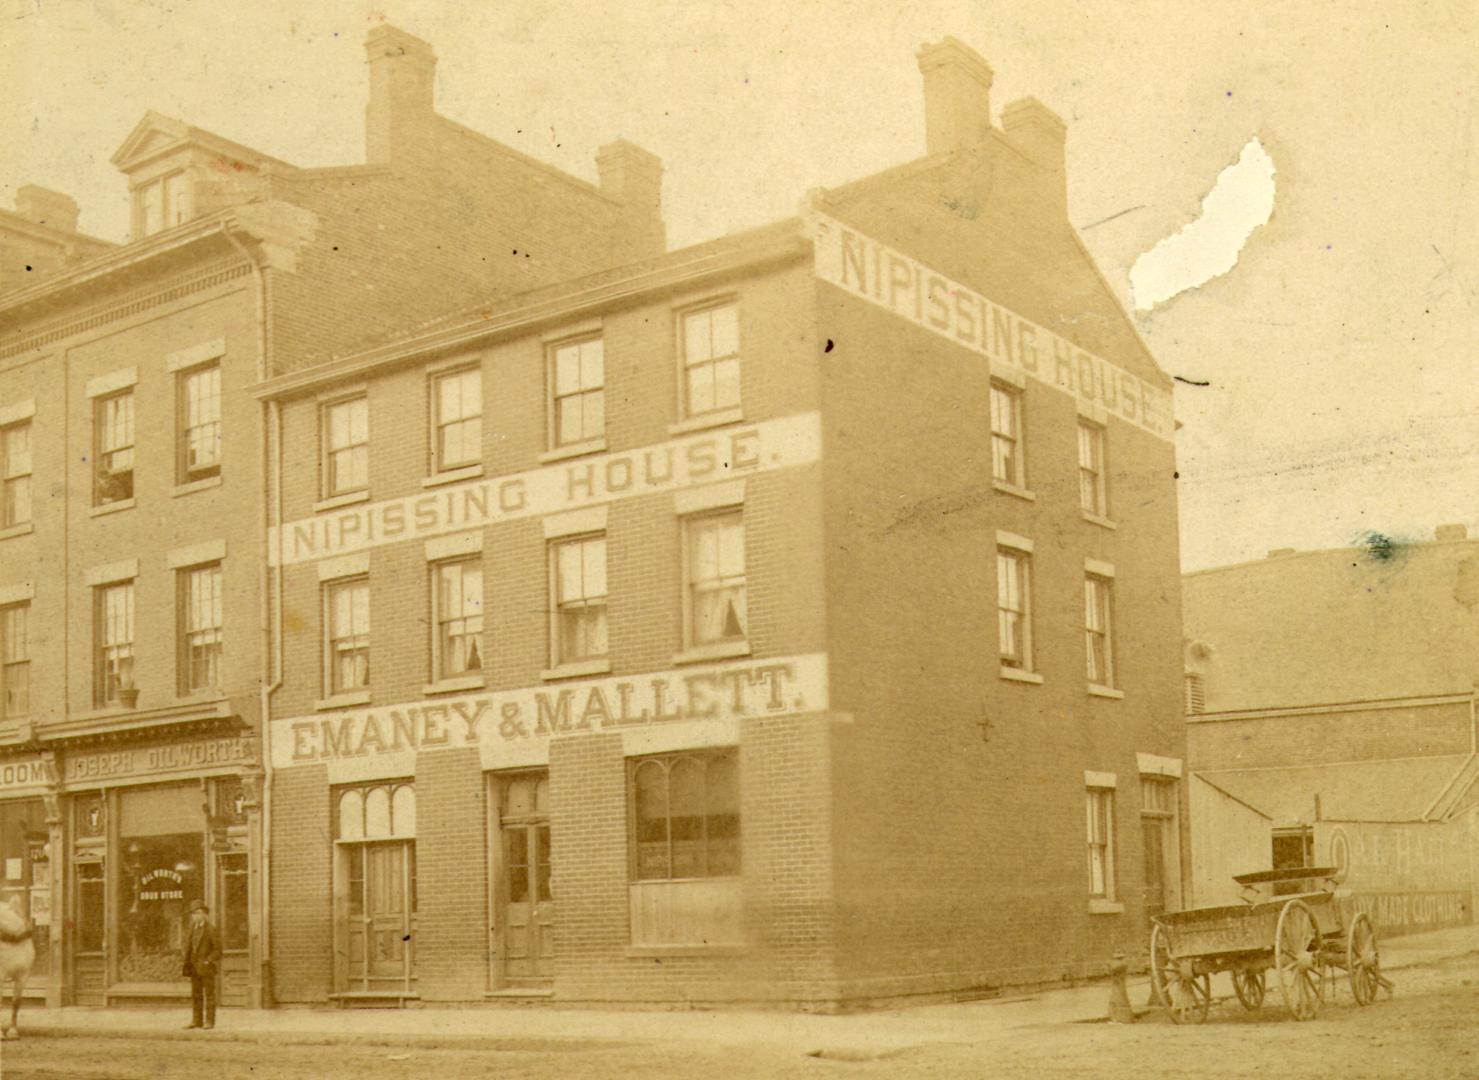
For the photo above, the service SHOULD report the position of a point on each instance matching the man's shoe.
(189, 1026)
(207, 1027)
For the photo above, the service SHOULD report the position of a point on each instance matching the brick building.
(132, 566)
(1331, 699)
(794, 617)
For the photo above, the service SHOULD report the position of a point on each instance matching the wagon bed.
(1303, 936)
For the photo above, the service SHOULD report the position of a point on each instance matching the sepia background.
(1339, 350)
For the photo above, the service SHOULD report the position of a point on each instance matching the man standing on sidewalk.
(202, 954)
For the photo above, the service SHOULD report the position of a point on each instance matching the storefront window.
(162, 848)
(25, 867)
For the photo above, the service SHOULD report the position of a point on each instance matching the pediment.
(153, 135)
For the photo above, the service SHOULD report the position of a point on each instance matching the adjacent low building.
(794, 617)
(1331, 701)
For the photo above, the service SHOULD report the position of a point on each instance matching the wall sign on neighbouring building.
(793, 684)
(24, 774)
(680, 463)
(169, 758)
(906, 287)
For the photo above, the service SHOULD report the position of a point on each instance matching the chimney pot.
(1449, 533)
(46, 207)
(957, 96)
(1039, 134)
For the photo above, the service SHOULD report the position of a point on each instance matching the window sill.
(453, 685)
(451, 476)
(25, 528)
(1097, 519)
(333, 502)
(718, 418)
(1095, 690)
(342, 701)
(192, 486)
(723, 650)
(580, 449)
(1105, 907)
(112, 507)
(659, 951)
(1012, 489)
(601, 665)
(1012, 674)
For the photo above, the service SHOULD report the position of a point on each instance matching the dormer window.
(162, 203)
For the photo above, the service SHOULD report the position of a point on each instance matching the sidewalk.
(552, 1028)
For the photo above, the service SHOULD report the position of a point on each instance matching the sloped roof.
(1400, 789)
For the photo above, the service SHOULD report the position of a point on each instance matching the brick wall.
(302, 865)
(451, 876)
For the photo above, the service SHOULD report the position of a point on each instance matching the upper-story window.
(457, 600)
(200, 423)
(715, 578)
(1091, 482)
(1014, 607)
(115, 637)
(347, 635)
(15, 474)
(1098, 630)
(457, 419)
(577, 392)
(711, 360)
(162, 203)
(346, 441)
(114, 459)
(15, 661)
(200, 628)
(579, 572)
(1006, 435)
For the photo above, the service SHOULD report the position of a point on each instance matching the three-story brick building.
(794, 617)
(133, 574)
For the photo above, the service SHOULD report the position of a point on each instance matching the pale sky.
(1339, 348)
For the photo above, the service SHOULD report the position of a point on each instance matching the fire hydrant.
(1120, 1011)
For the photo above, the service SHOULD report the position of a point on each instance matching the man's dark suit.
(202, 954)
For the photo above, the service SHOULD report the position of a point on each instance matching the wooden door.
(378, 916)
(1155, 866)
(233, 927)
(528, 942)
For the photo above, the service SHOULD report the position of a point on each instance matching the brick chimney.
(957, 96)
(46, 207)
(1038, 133)
(402, 73)
(633, 177)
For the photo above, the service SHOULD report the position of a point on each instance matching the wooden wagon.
(1304, 936)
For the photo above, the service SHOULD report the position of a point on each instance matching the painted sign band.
(172, 757)
(699, 459)
(24, 774)
(771, 687)
(906, 287)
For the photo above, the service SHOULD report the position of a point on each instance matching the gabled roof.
(1400, 789)
(157, 134)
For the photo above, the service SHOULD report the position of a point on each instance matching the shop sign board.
(149, 761)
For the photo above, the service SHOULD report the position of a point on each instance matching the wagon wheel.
(1363, 960)
(1250, 986)
(1297, 960)
(1184, 993)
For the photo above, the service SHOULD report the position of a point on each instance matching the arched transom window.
(377, 812)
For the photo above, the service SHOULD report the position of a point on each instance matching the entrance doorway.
(1158, 830)
(375, 891)
(524, 912)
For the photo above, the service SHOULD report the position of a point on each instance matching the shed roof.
(1399, 789)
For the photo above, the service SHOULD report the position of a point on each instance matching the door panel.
(1155, 866)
